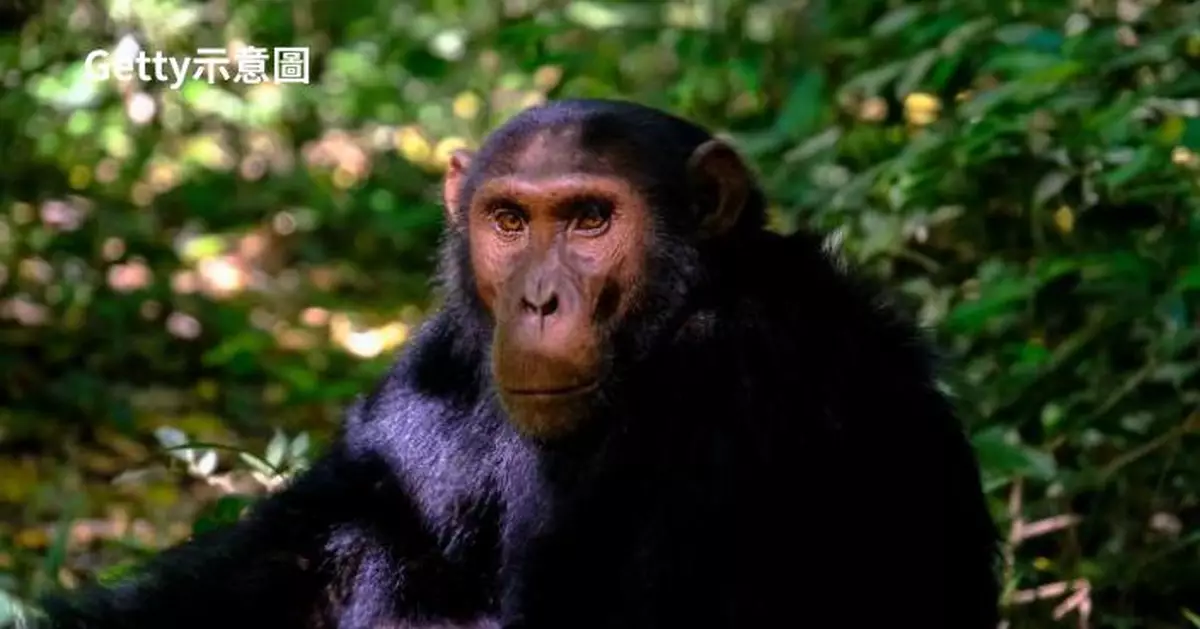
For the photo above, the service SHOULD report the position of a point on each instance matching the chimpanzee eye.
(508, 219)
(593, 214)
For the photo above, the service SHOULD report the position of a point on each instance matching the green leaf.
(225, 511)
(1018, 63)
(918, 68)
(871, 82)
(1190, 280)
(13, 612)
(803, 106)
(1000, 456)
(1141, 163)
(299, 446)
(953, 43)
(896, 20)
(258, 464)
(1049, 186)
(276, 449)
(997, 299)
(1191, 134)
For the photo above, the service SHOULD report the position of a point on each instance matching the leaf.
(1190, 280)
(1140, 163)
(258, 464)
(207, 463)
(170, 437)
(918, 68)
(814, 145)
(1000, 456)
(13, 613)
(225, 511)
(997, 299)
(1191, 616)
(896, 20)
(1050, 185)
(118, 572)
(871, 82)
(174, 441)
(276, 449)
(953, 43)
(983, 102)
(803, 106)
(300, 446)
(1191, 134)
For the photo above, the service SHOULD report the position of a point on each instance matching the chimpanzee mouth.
(587, 387)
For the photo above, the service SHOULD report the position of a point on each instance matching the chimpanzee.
(636, 408)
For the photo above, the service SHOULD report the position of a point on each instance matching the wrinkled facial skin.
(556, 258)
(558, 253)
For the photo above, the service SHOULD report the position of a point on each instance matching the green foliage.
(230, 260)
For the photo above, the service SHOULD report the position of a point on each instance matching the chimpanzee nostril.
(544, 307)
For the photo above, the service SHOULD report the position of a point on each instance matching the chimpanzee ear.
(456, 174)
(722, 183)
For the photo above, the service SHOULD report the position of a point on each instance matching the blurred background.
(226, 265)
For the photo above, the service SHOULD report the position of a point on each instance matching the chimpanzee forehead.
(561, 150)
(646, 147)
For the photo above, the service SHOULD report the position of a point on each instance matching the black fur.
(774, 453)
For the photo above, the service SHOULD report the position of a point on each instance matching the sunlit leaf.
(276, 449)
(207, 464)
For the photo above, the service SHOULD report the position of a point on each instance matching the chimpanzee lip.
(554, 392)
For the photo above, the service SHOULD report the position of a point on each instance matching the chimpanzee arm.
(354, 542)
(269, 569)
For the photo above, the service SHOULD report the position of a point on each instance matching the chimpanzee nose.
(540, 298)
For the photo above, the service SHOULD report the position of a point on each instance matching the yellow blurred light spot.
(141, 194)
(343, 178)
(873, 109)
(367, 343)
(163, 177)
(467, 105)
(314, 316)
(80, 177)
(1041, 563)
(22, 212)
(412, 145)
(441, 155)
(18, 479)
(1064, 218)
(921, 108)
(221, 276)
(32, 538)
(776, 219)
(202, 247)
(161, 495)
(547, 77)
(533, 99)
(1172, 129)
(1193, 45)
(1183, 156)
(206, 390)
(275, 394)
